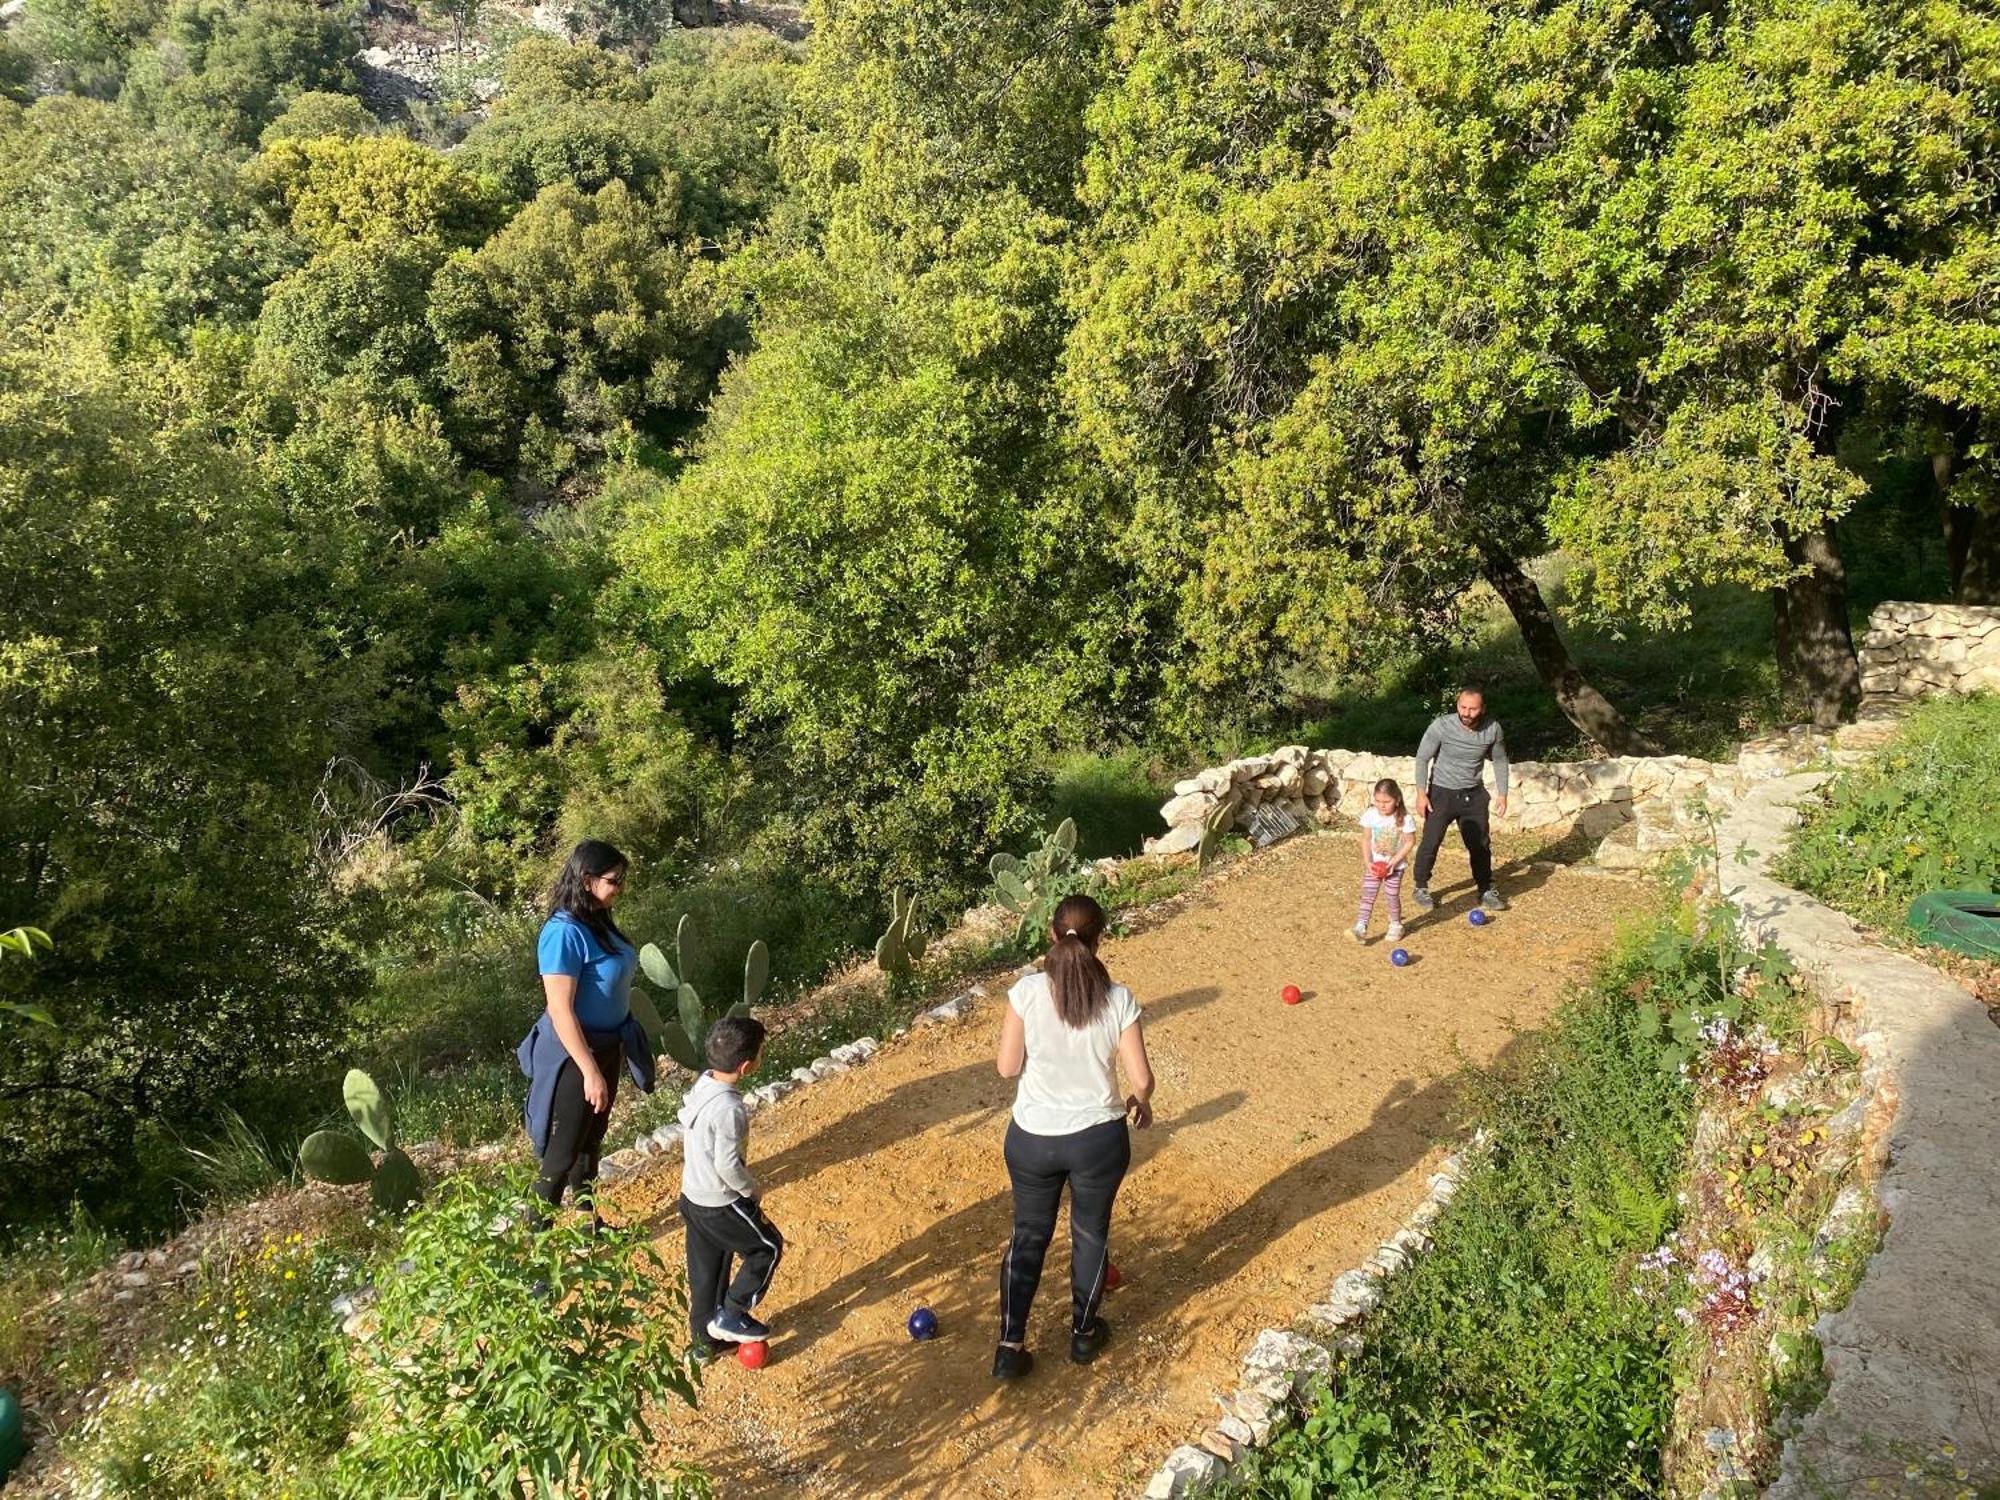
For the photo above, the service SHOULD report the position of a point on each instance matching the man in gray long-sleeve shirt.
(1451, 789)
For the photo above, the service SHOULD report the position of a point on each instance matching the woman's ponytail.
(1078, 980)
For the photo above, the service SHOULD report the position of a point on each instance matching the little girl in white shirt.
(1388, 834)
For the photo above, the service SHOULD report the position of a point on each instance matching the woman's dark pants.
(1093, 1163)
(576, 1131)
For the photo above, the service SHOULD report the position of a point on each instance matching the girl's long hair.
(1078, 980)
(571, 893)
(1388, 784)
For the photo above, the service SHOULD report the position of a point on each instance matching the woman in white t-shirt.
(1066, 1031)
(1388, 834)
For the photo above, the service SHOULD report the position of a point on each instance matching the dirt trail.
(1289, 1141)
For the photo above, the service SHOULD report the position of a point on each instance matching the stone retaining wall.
(1633, 807)
(1914, 649)
(1599, 797)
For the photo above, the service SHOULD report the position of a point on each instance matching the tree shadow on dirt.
(905, 1406)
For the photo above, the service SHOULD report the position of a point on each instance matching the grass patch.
(1114, 798)
(245, 1392)
(1923, 814)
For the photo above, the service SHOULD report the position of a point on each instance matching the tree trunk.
(1581, 703)
(1822, 646)
(1790, 689)
(1971, 532)
(1977, 578)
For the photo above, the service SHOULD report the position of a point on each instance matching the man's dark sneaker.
(1010, 1363)
(1493, 900)
(1424, 899)
(1087, 1345)
(737, 1328)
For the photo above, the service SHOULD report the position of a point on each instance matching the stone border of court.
(1282, 1363)
(1906, 1355)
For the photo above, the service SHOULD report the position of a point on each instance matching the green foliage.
(246, 1393)
(347, 189)
(316, 113)
(1919, 816)
(86, 42)
(545, 754)
(1032, 886)
(164, 717)
(23, 941)
(102, 213)
(506, 1355)
(1514, 1359)
(582, 315)
(224, 68)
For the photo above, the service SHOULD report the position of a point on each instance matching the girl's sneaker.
(1395, 932)
(1358, 932)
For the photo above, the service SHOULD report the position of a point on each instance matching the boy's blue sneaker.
(737, 1328)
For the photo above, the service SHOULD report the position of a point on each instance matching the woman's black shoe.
(1086, 1346)
(1010, 1363)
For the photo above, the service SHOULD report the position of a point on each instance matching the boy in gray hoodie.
(719, 1196)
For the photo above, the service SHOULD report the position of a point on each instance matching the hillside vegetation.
(815, 466)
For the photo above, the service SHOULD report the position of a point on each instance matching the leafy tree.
(583, 315)
(86, 42)
(566, 114)
(356, 311)
(17, 72)
(880, 552)
(163, 721)
(316, 113)
(345, 189)
(224, 68)
(1347, 369)
(1826, 197)
(102, 212)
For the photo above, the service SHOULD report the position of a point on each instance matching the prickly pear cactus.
(684, 1037)
(901, 948)
(338, 1157)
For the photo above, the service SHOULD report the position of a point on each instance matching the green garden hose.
(1963, 921)
(13, 1442)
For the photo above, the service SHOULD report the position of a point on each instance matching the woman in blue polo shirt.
(587, 1036)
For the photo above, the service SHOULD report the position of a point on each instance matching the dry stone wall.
(1633, 808)
(1914, 649)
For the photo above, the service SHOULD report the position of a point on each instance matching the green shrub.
(507, 1356)
(1923, 815)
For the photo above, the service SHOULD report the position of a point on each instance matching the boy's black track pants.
(714, 1237)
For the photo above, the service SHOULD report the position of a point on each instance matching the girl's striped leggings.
(1391, 886)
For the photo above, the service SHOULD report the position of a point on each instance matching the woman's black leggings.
(1093, 1163)
(576, 1131)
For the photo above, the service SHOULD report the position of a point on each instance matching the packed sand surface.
(1288, 1142)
